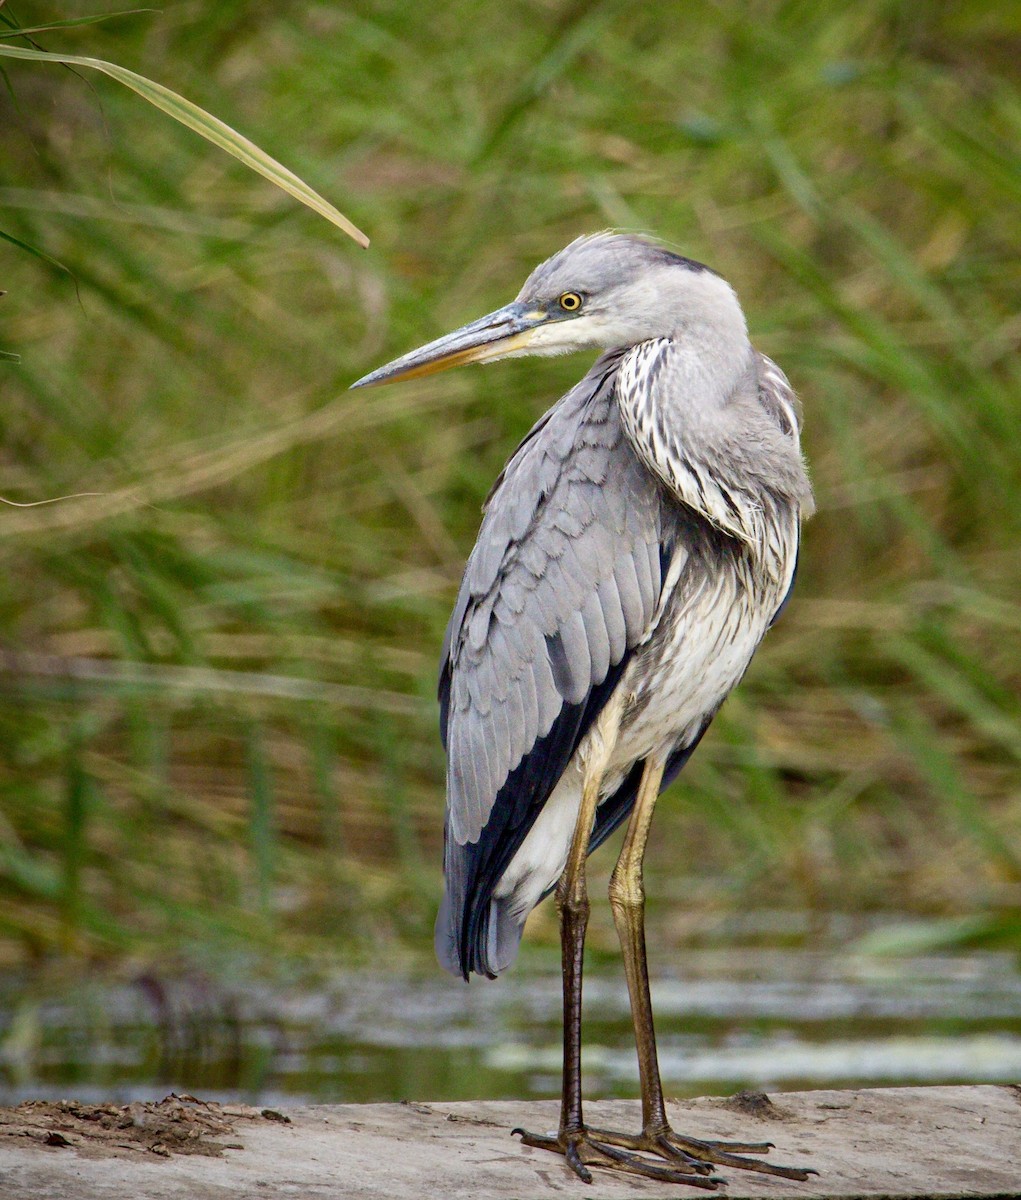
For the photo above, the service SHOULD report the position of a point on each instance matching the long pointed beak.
(497, 335)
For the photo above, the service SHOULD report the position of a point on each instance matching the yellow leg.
(627, 899)
(573, 904)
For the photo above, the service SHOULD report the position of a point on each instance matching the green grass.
(216, 681)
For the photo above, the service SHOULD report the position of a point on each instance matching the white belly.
(694, 660)
(704, 641)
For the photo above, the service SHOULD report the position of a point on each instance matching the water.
(742, 1017)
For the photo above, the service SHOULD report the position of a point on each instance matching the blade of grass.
(72, 23)
(205, 125)
(76, 805)
(211, 468)
(43, 256)
(262, 832)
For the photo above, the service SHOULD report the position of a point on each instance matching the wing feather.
(629, 592)
(613, 615)
(464, 786)
(597, 637)
(550, 700)
(572, 662)
(529, 704)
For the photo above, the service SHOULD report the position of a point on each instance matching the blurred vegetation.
(217, 724)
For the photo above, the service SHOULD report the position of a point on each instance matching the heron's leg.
(627, 898)
(573, 1139)
(573, 905)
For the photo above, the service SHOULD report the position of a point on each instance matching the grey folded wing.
(563, 583)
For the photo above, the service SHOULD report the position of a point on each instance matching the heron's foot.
(673, 1147)
(584, 1148)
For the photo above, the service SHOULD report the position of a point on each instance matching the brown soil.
(755, 1104)
(175, 1125)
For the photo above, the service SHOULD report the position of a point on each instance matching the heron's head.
(600, 292)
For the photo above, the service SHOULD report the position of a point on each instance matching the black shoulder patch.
(443, 694)
(783, 603)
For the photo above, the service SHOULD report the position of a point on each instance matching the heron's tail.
(483, 942)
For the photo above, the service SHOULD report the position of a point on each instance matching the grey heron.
(632, 554)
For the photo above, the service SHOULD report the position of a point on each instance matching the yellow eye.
(570, 302)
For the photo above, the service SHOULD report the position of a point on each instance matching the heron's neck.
(708, 372)
(712, 355)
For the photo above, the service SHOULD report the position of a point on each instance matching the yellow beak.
(503, 332)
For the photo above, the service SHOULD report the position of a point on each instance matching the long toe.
(721, 1154)
(584, 1148)
(689, 1154)
(653, 1144)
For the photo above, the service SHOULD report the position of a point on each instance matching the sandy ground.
(882, 1142)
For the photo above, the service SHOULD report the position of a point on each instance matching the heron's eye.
(570, 302)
